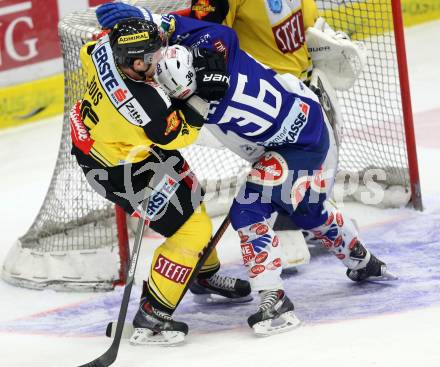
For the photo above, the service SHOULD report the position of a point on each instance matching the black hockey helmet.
(134, 38)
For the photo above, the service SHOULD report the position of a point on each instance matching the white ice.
(400, 339)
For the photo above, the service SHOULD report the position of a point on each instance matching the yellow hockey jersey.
(272, 31)
(119, 118)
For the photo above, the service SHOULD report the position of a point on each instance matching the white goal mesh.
(73, 242)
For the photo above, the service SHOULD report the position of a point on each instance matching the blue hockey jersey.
(262, 107)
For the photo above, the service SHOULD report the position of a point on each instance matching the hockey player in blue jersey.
(275, 122)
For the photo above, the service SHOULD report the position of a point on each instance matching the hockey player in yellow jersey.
(289, 36)
(272, 31)
(125, 135)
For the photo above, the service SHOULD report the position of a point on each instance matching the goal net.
(78, 240)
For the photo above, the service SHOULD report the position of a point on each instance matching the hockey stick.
(206, 252)
(128, 329)
(110, 355)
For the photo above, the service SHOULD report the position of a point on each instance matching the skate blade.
(289, 270)
(143, 336)
(215, 299)
(286, 322)
(385, 277)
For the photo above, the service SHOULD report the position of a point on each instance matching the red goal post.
(413, 167)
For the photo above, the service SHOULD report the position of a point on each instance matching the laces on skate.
(275, 314)
(221, 289)
(153, 326)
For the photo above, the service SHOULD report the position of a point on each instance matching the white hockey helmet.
(175, 72)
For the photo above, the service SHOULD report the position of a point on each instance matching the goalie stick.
(110, 355)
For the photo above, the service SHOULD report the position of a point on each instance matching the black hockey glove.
(211, 75)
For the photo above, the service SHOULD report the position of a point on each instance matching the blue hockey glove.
(111, 13)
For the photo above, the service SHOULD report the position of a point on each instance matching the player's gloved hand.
(211, 74)
(111, 13)
(167, 25)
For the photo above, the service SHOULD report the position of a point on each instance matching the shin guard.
(339, 235)
(262, 255)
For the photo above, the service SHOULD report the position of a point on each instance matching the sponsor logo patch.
(299, 189)
(143, 36)
(275, 6)
(120, 94)
(270, 170)
(289, 34)
(302, 184)
(184, 94)
(353, 243)
(243, 237)
(255, 270)
(338, 241)
(274, 264)
(220, 47)
(261, 257)
(105, 71)
(329, 219)
(339, 219)
(173, 122)
(292, 125)
(161, 194)
(247, 252)
(325, 241)
(171, 53)
(277, 262)
(131, 109)
(78, 131)
(202, 8)
(318, 183)
(259, 228)
(171, 270)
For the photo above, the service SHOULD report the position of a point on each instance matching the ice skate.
(275, 314)
(155, 327)
(221, 289)
(375, 269)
